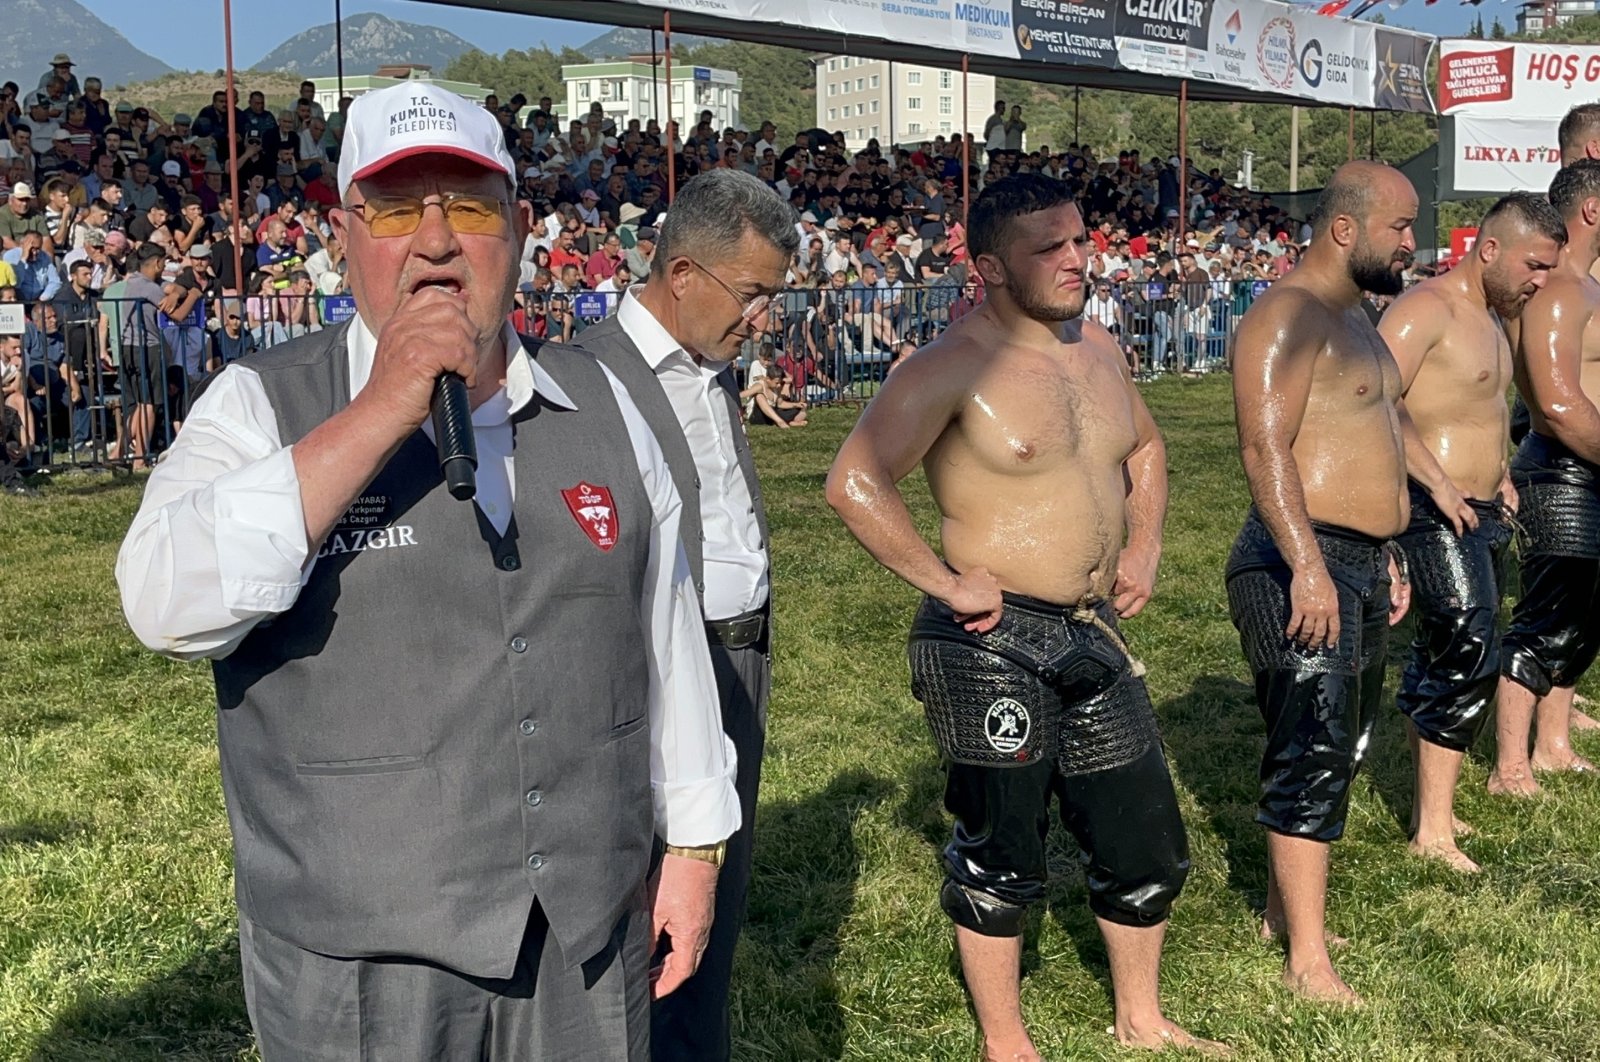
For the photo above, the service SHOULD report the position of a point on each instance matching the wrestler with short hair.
(1455, 367)
(1050, 478)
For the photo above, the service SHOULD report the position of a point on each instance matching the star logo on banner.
(1390, 69)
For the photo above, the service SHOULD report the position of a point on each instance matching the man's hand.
(428, 334)
(1508, 493)
(1313, 608)
(975, 600)
(683, 902)
(1136, 580)
(1399, 592)
(1455, 507)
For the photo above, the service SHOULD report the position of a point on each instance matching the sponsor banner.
(1398, 77)
(1462, 241)
(1260, 45)
(1074, 32)
(338, 308)
(1164, 37)
(1498, 155)
(1271, 47)
(1485, 78)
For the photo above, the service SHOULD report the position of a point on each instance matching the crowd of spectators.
(119, 238)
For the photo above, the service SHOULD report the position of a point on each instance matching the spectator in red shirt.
(564, 253)
(323, 191)
(603, 262)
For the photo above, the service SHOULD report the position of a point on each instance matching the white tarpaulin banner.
(1498, 155)
(979, 26)
(1492, 79)
(1274, 47)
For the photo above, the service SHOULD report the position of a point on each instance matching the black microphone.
(452, 433)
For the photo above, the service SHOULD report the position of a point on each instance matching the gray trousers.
(307, 1007)
(691, 1025)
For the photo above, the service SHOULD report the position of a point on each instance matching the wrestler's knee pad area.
(1555, 629)
(983, 914)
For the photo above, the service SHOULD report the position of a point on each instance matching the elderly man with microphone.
(448, 728)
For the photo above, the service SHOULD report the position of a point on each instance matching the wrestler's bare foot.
(1564, 760)
(1320, 984)
(1514, 783)
(1161, 1034)
(1022, 1051)
(1446, 852)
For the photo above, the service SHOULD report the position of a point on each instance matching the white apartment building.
(1531, 17)
(897, 102)
(632, 88)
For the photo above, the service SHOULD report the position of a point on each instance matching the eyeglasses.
(398, 215)
(750, 308)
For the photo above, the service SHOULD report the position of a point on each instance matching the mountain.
(624, 41)
(37, 29)
(370, 41)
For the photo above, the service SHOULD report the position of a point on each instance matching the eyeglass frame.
(443, 203)
(749, 308)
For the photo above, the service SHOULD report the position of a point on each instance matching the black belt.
(741, 632)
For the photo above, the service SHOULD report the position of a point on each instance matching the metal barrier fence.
(112, 387)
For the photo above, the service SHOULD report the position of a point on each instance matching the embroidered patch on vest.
(595, 512)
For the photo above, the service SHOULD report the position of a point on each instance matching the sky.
(187, 34)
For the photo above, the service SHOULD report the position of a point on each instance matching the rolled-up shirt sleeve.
(692, 762)
(219, 542)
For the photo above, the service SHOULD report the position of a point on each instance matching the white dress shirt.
(220, 543)
(735, 564)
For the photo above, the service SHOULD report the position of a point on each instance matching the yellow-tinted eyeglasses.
(400, 215)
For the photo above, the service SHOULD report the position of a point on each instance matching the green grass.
(116, 914)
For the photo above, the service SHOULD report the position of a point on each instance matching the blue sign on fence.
(337, 308)
(589, 304)
(1259, 288)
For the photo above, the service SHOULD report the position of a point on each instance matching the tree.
(1497, 31)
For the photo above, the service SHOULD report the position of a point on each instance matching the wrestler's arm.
(1550, 345)
(1412, 327)
(916, 403)
(1144, 476)
(1275, 352)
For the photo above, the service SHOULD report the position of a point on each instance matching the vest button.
(519, 644)
(535, 861)
(510, 562)
(535, 798)
(527, 726)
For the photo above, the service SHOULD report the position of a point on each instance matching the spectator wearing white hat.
(19, 214)
(40, 120)
(61, 67)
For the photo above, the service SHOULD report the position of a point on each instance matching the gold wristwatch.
(703, 853)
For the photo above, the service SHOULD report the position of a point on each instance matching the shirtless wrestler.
(1312, 584)
(1579, 137)
(1455, 367)
(1051, 481)
(1555, 626)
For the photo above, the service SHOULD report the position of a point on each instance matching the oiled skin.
(1029, 474)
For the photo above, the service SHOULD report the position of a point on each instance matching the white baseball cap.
(417, 118)
(21, 190)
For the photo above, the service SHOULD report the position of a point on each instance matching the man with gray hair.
(720, 256)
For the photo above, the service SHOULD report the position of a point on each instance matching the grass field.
(117, 935)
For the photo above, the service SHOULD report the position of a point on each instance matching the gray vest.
(611, 346)
(450, 723)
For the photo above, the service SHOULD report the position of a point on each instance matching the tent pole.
(338, 43)
(966, 138)
(1350, 137)
(233, 150)
(655, 79)
(1183, 157)
(1077, 97)
(671, 129)
(893, 135)
(1294, 149)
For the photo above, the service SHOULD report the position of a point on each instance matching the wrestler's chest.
(1031, 418)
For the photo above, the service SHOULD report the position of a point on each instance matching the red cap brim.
(425, 149)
